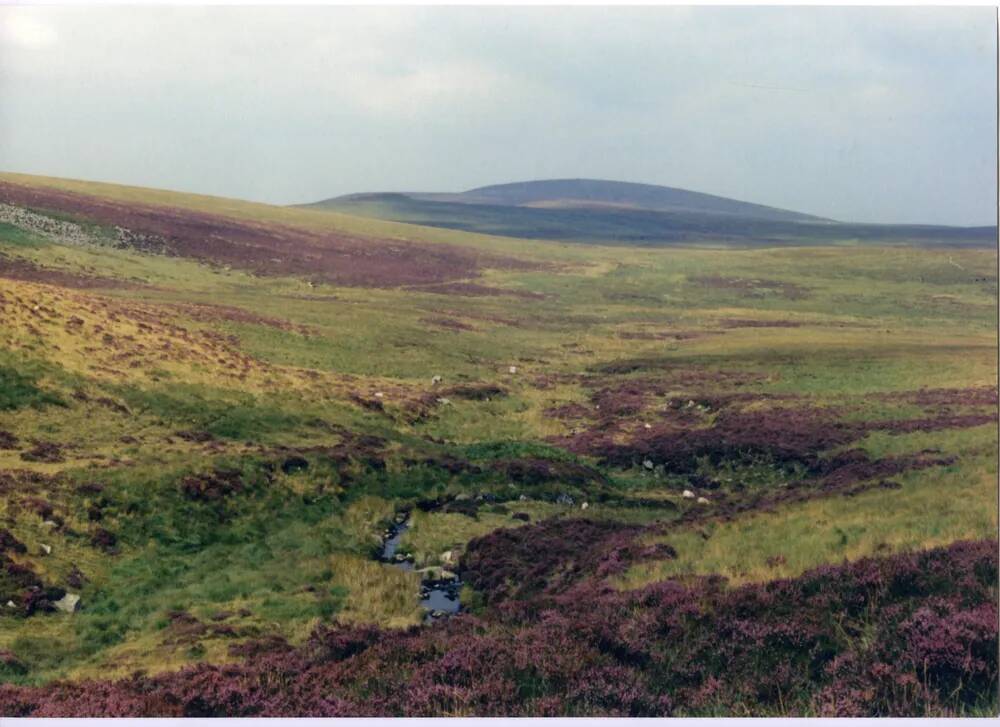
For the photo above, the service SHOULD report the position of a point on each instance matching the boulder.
(68, 603)
(687, 494)
(648, 464)
(702, 501)
(46, 548)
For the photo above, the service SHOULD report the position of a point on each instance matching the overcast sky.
(882, 115)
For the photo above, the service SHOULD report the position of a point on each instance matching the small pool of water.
(391, 545)
(439, 597)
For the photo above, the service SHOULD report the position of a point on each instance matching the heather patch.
(911, 634)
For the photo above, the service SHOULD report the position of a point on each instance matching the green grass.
(18, 389)
(935, 506)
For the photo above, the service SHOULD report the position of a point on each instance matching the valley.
(443, 459)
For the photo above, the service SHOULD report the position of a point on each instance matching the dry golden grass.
(377, 593)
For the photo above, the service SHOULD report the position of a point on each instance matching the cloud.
(22, 30)
(845, 112)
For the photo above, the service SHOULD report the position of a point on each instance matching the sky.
(853, 113)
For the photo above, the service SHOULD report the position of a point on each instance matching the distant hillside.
(602, 193)
(593, 211)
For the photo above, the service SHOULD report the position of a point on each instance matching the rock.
(648, 464)
(49, 524)
(564, 499)
(68, 603)
(687, 494)
(11, 604)
(447, 575)
(702, 501)
(435, 380)
(584, 506)
(462, 497)
(647, 426)
(47, 548)
(379, 394)
(443, 401)
(513, 369)
(437, 613)
(400, 518)
(448, 557)
(523, 498)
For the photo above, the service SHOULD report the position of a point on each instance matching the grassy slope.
(872, 320)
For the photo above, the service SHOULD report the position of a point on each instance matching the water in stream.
(438, 597)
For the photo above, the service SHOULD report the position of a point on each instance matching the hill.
(603, 193)
(270, 461)
(594, 211)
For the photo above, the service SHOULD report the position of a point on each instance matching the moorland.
(261, 460)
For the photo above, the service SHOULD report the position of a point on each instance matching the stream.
(439, 597)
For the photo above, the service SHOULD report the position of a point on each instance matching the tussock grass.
(376, 593)
(936, 506)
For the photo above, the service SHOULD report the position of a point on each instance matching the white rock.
(379, 394)
(513, 369)
(648, 464)
(11, 604)
(435, 379)
(46, 548)
(702, 501)
(687, 494)
(647, 426)
(444, 401)
(448, 557)
(67, 603)
(584, 506)
(49, 523)
(522, 498)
